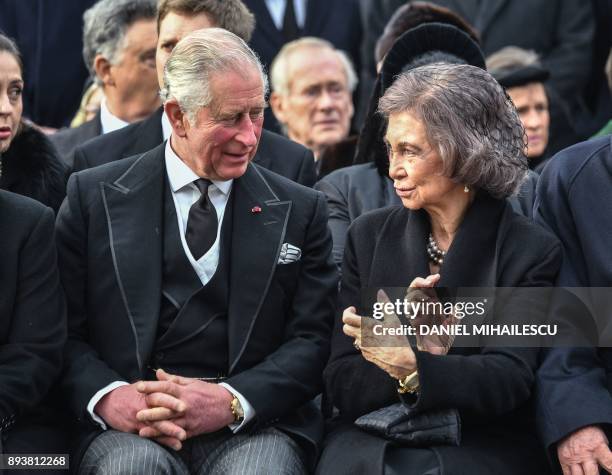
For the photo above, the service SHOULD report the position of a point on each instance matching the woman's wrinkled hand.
(421, 290)
(391, 353)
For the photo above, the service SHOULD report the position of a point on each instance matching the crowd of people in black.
(201, 202)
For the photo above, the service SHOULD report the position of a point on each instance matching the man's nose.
(326, 100)
(246, 134)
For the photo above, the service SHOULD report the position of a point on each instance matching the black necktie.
(291, 30)
(202, 222)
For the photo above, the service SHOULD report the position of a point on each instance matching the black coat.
(32, 309)
(66, 140)
(31, 167)
(490, 386)
(574, 201)
(276, 153)
(279, 317)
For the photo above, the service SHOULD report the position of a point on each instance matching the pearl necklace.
(436, 255)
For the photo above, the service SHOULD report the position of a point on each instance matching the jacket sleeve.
(85, 373)
(353, 385)
(31, 359)
(339, 218)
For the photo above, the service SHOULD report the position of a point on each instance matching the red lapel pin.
(255, 209)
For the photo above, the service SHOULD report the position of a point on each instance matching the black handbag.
(400, 424)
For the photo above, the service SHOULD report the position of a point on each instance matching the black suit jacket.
(279, 316)
(489, 386)
(574, 201)
(32, 307)
(274, 152)
(66, 140)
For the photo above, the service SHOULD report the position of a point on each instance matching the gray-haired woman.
(456, 151)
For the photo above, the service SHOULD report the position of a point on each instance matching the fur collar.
(31, 167)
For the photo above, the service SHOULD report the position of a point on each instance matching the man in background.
(119, 40)
(312, 86)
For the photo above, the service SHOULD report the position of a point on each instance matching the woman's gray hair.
(469, 120)
(105, 25)
(199, 56)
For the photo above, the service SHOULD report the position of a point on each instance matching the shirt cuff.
(249, 412)
(99, 395)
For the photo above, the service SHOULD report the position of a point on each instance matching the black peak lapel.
(134, 207)
(258, 231)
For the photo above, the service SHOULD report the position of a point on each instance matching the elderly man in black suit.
(192, 259)
(119, 39)
(176, 19)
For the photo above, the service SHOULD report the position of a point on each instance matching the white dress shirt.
(108, 121)
(277, 11)
(185, 194)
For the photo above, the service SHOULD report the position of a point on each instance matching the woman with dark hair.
(456, 152)
(29, 165)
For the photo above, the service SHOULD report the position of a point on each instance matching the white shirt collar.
(277, 12)
(108, 120)
(180, 175)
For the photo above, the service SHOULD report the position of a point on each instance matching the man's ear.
(177, 118)
(277, 103)
(102, 66)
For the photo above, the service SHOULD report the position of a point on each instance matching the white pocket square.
(289, 254)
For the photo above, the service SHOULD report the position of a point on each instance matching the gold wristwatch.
(237, 410)
(409, 384)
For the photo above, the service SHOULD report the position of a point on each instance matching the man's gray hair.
(279, 70)
(105, 25)
(469, 120)
(199, 56)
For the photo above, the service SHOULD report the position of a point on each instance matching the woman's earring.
(466, 189)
